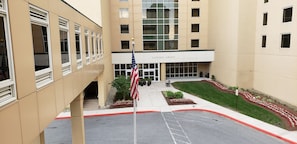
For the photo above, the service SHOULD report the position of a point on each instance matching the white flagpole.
(134, 113)
(134, 107)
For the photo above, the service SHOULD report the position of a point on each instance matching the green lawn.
(210, 93)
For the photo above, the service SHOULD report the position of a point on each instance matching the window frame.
(192, 40)
(8, 84)
(87, 46)
(285, 18)
(127, 42)
(124, 31)
(265, 19)
(77, 29)
(122, 13)
(283, 42)
(264, 41)
(198, 27)
(44, 76)
(64, 26)
(193, 12)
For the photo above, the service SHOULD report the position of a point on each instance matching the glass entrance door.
(149, 73)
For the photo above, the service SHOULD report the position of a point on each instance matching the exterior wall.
(26, 118)
(231, 34)
(275, 67)
(223, 37)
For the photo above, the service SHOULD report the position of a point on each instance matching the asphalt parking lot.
(192, 127)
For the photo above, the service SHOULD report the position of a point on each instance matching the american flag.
(134, 79)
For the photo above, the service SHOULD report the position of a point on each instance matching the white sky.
(90, 8)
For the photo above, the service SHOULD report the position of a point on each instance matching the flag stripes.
(134, 79)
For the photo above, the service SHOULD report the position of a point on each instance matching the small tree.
(122, 84)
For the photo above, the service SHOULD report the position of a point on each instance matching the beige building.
(51, 50)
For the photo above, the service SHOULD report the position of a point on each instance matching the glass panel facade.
(160, 24)
(177, 70)
(148, 70)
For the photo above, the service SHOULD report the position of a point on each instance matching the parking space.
(160, 128)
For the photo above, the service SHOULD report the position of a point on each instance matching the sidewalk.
(151, 99)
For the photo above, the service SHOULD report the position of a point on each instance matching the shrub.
(178, 95)
(170, 94)
(122, 84)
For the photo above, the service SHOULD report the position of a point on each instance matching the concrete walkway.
(151, 99)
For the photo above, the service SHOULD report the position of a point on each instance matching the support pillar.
(101, 92)
(42, 138)
(163, 71)
(77, 120)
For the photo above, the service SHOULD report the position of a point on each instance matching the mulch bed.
(285, 113)
(178, 101)
(122, 104)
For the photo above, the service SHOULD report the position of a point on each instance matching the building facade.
(51, 50)
(170, 36)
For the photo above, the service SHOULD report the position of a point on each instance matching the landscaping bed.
(176, 100)
(245, 103)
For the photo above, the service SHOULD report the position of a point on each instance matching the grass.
(210, 93)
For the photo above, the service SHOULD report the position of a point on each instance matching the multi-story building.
(49, 53)
(51, 50)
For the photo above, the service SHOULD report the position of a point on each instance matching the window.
(195, 43)
(87, 54)
(196, 12)
(160, 24)
(124, 13)
(286, 38)
(7, 81)
(195, 27)
(65, 47)
(78, 46)
(265, 16)
(195, 0)
(265, 1)
(41, 46)
(125, 28)
(287, 15)
(97, 46)
(93, 46)
(264, 41)
(125, 44)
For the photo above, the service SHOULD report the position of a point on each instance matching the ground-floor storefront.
(159, 66)
(172, 70)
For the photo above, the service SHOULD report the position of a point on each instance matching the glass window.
(195, 43)
(264, 41)
(195, 27)
(150, 45)
(124, 13)
(195, 12)
(286, 38)
(287, 15)
(265, 1)
(7, 87)
(87, 54)
(41, 47)
(125, 44)
(173, 44)
(124, 28)
(77, 46)
(265, 17)
(149, 29)
(65, 47)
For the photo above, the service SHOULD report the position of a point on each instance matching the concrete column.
(77, 120)
(101, 92)
(42, 138)
(163, 71)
